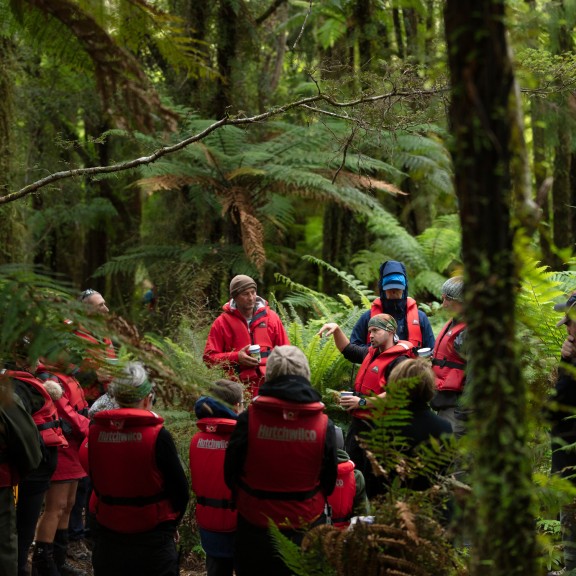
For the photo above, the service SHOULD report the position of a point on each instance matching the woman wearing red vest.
(449, 358)
(376, 363)
(52, 529)
(280, 463)
(215, 508)
(140, 486)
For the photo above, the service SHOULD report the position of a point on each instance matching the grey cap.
(453, 288)
(287, 360)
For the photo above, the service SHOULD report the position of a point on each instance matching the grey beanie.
(453, 288)
(285, 361)
(240, 283)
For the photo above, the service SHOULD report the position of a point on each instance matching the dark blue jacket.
(396, 308)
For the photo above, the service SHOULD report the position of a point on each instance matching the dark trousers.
(76, 526)
(147, 554)
(255, 552)
(8, 544)
(219, 566)
(375, 485)
(30, 500)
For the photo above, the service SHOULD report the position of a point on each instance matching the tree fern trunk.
(226, 53)
(503, 540)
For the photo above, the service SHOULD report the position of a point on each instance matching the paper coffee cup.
(345, 393)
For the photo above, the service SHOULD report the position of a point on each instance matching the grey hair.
(131, 385)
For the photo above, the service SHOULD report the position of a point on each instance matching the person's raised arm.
(332, 329)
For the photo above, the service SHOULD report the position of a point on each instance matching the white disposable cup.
(254, 351)
(345, 393)
(425, 352)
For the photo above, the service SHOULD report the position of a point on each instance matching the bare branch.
(303, 26)
(166, 150)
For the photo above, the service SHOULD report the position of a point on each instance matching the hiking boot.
(43, 560)
(77, 550)
(68, 569)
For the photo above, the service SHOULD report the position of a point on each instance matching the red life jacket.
(126, 478)
(104, 347)
(447, 364)
(215, 508)
(281, 479)
(72, 389)
(46, 419)
(412, 320)
(371, 377)
(256, 334)
(342, 499)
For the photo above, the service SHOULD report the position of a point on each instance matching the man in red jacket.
(246, 320)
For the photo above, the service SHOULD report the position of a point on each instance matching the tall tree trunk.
(12, 235)
(398, 32)
(563, 234)
(503, 540)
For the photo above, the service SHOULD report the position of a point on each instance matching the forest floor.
(191, 565)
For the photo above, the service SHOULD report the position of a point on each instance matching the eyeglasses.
(87, 293)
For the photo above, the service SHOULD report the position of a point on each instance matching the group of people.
(51, 403)
(272, 471)
(281, 460)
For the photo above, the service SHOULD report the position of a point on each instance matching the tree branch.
(166, 150)
(271, 9)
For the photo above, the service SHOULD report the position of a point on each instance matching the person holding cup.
(376, 362)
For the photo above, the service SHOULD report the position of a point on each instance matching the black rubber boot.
(65, 568)
(43, 560)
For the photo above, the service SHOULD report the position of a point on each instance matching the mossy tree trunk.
(503, 539)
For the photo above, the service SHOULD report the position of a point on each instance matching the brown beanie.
(240, 283)
(287, 361)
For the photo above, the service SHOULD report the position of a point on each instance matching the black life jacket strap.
(216, 503)
(444, 362)
(51, 424)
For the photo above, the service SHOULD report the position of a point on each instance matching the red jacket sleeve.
(77, 422)
(217, 342)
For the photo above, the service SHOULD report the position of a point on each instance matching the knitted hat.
(287, 361)
(394, 282)
(453, 289)
(240, 283)
(566, 307)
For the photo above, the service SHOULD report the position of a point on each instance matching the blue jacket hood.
(393, 267)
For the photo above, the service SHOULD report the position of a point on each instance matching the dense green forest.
(175, 143)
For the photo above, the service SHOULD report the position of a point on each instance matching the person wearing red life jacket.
(20, 454)
(52, 528)
(449, 358)
(413, 324)
(141, 488)
(349, 498)
(90, 372)
(215, 507)
(38, 398)
(246, 320)
(280, 464)
(376, 363)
